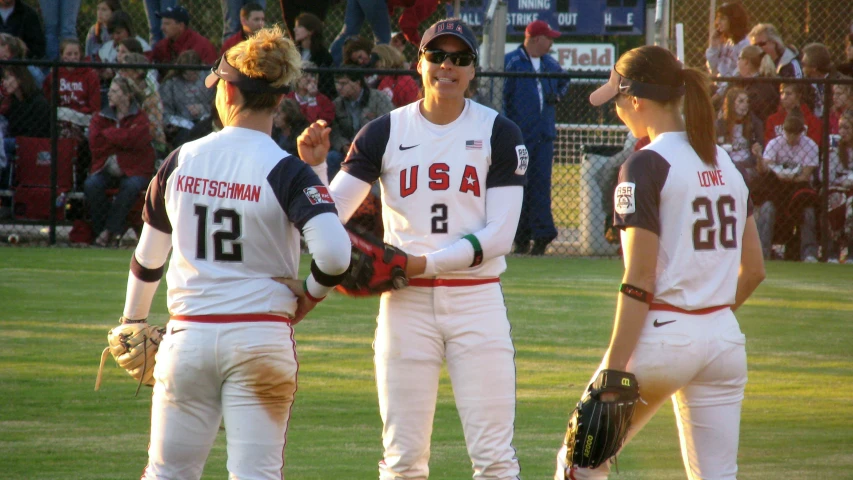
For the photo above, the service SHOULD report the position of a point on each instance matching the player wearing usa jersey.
(692, 257)
(230, 207)
(452, 176)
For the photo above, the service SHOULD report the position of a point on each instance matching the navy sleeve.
(364, 159)
(509, 155)
(636, 202)
(299, 191)
(154, 212)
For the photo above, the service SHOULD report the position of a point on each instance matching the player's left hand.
(303, 303)
(313, 145)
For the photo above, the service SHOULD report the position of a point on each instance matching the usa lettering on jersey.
(625, 198)
(439, 179)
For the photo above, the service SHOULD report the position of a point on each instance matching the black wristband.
(148, 275)
(124, 320)
(324, 278)
(636, 293)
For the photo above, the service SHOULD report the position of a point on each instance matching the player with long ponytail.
(692, 257)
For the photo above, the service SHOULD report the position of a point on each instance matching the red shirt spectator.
(127, 138)
(313, 104)
(773, 127)
(251, 20)
(402, 89)
(414, 13)
(79, 88)
(179, 37)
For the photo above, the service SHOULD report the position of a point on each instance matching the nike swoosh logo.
(176, 330)
(660, 324)
(406, 148)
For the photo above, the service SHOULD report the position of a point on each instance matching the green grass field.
(59, 303)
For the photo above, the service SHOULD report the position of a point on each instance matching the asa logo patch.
(523, 159)
(624, 198)
(318, 194)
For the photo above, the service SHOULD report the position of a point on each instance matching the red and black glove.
(376, 267)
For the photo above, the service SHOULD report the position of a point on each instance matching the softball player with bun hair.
(692, 257)
(452, 177)
(230, 207)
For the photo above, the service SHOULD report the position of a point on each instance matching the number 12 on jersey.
(220, 237)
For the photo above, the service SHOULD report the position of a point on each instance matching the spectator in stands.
(786, 58)
(120, 26)
(791, 99)
(12, 47)
(232, 15)
(24, 105)
(842, 101)
(60, 22)
(741, 133)
(179, 37)
(308, 37)
(295, 8)
(398, 41)
(357, 51)
(20, 20)
(790, 159)
(122, 158)
(149, 100)
(26, 110)
(186, 100)
(79, 92)
(531, 104)
(846, 68)
(128, 45)
(841, 193)
(355, 105)
(152, 8)
(414, 13)
(401, 89)
(288, 123)
(207, 125)
(252, 19)
(313, 104)
(357, 11)
(763, 97)
(99, 34)
(731, 26)
(817, 63)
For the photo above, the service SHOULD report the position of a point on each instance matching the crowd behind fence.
(83, 138)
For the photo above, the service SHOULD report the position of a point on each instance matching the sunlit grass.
(59, 303)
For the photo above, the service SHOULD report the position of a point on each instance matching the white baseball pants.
(242, 372)
(700, 362)
(418, 328)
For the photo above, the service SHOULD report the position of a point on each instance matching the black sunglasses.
(460, 59)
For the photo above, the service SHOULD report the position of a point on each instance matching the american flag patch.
(473, 144)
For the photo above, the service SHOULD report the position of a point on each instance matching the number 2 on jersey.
(704, 229)
(439, 219)
(220, 237)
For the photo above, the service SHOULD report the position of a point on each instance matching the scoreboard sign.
(570, 17)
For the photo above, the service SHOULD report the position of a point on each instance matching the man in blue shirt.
(530, 103)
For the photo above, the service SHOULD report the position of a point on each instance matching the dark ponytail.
(658, 66)
(699, 115)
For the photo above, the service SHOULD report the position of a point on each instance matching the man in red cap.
(530, 102)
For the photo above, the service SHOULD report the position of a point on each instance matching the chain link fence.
(50, 193)
(799, 22)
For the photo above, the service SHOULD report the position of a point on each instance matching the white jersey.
(240, 201)
(699, 213)
(434, 177)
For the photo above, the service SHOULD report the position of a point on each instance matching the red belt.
(702, 311)
(451, 282)
(233, 318)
